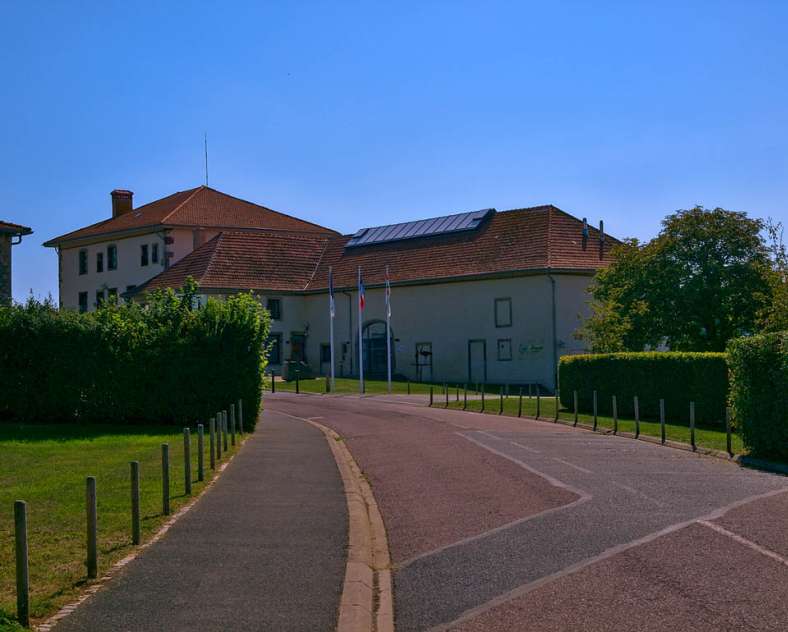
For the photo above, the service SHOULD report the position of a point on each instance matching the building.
(114, 256)
(482, 296)
(10, 235)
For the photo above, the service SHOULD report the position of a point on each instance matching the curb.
(367, 602)
(113, 570)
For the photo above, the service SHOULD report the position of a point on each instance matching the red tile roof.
(202, 206)
(509, 242)
(16, 229)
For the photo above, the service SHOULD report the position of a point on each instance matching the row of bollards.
(219, 431)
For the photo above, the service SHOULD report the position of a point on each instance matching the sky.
(353, 114)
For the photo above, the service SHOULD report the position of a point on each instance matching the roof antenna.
(206, 158)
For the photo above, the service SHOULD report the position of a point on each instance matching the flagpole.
(388, 328)
(360, 340)
(331, 308)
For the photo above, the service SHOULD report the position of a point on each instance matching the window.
(83, 302)
(154, 253)
(83, 261)
(112, 257)
(274, 306)
(99, 297)
(504, 349)
(325, 353)
(112, 295)
(298, 346)
(275, 350)
(99, 262)
(144, 254)
(503, 312)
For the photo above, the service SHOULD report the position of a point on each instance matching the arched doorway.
(374, 336)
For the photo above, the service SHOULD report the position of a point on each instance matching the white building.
(486, 296)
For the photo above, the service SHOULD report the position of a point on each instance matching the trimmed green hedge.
(676, 377)
(159, 363)
(759, 392)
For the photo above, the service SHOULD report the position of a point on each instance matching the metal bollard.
(297, 385)
(728, 442)
(430, 395)
(520, 403)
(187, 461)
(232, 424)
(615, 415)
(595, 413)
(575, 401)
(692, 426)
(241, 416)
(530, 391)
(136, 531)
(662, 420)
(483, 391)
(92, 527)
(200, 452)
(557, 404)
(457, 395)
(446, 393)
(22, 563)
(637, 416)
(273, 381)
(225, 432)
(408, 386)
(212, 441)
(465, 397)
(165, 479)
(538, 402)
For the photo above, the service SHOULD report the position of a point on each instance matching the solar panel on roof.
(420, 228)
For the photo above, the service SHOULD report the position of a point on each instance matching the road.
(497, 523)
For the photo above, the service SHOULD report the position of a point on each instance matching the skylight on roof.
(420, 228)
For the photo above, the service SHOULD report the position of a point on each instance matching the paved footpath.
(497, 523)
(263, 549)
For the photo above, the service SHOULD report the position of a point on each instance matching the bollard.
(500, 401)
(241, 416)
(692, 426)
(212, 442)
(165, 479)
(575, 401)
(557, 405)
(297, 385)
(187, 461)
(662, 420)
(328, 386)
(538, 402)
(465, 397)
(520, 403)
(530, 391)
(728, 443)
(457, 395)
(92, 524)
(483, 391)
(615, 415)
(408, 386)
(225, 432)
(232, 424)
(446, 393)
(637, 416)
(200, 452)
(22, 564)
(430, 395)
(273, 381)
(595, 412)
(135, 502)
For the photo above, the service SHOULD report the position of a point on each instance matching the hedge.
(759, 392)
(159, 363)
(676, 377)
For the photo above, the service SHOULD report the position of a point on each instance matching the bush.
(759, 392)
(676, 377)
(163, 362)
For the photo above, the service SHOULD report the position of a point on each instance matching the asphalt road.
(263, 549)
(505, 524)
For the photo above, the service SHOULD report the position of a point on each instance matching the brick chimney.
(121, 202)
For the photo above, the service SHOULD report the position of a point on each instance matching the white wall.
(449, 315)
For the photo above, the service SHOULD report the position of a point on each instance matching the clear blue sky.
(353, 114)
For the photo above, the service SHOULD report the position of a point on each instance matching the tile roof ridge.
(188, 198)
(215, 242)
(317, 264)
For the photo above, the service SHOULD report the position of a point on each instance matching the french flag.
(361, 300)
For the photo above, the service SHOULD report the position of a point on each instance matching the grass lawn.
(705, 437)
(46, 466)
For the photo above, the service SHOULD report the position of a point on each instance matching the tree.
(706, 278)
